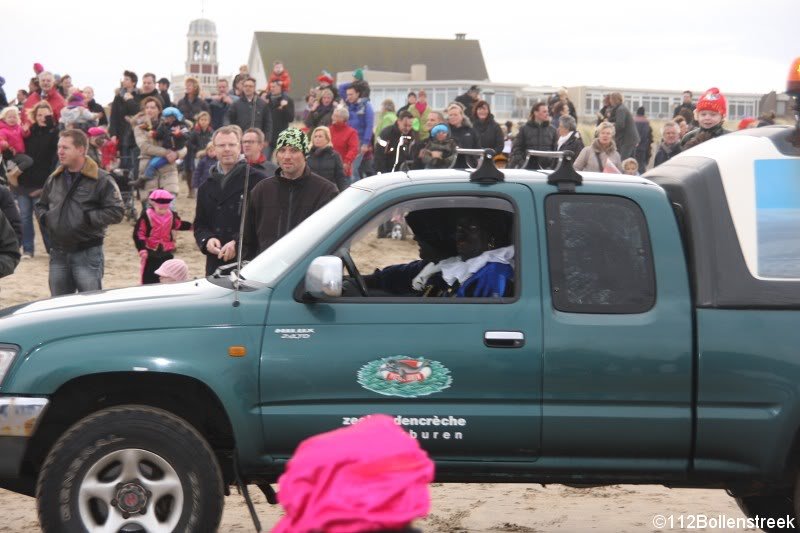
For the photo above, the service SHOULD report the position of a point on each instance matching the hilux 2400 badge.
(408, 377)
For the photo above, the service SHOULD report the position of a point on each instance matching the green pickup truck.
(649, 332)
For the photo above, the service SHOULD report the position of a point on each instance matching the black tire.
(180, 454)
(776, 505)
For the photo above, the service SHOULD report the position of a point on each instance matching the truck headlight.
(7, 354)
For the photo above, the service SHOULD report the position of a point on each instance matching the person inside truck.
(482, 265)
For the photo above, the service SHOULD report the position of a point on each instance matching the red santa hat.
(713, 100)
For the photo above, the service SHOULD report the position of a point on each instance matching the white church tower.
(201, 58)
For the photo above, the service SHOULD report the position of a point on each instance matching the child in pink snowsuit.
(153, 234)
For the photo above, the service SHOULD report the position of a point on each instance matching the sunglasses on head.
(164, 201)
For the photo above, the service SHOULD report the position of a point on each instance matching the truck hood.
(115, 297)
(192, 304)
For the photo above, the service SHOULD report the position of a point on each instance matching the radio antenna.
(243, 214)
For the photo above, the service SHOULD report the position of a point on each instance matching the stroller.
(125, 183)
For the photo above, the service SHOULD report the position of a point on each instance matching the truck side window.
(599, 252)
(419, 249)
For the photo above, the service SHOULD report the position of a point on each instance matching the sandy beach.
(456, 507)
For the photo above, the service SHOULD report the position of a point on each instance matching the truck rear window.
(599, 253)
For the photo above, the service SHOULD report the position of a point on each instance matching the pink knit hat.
(174, 269)
(160, 196)
(365, 477)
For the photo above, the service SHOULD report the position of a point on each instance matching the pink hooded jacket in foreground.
(365, 477)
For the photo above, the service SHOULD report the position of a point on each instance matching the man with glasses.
(220, 200)
(253, 148)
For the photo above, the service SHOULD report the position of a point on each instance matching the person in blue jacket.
(362, 119)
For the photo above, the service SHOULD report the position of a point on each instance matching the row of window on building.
(662, 107)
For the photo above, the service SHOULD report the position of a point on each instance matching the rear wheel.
(777, 505)
(130, 468)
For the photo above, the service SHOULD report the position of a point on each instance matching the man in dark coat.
(241, 111)
(670, 145)
(281, 107)
(149, 89)
(626, 135)
(644, 149)
(123, 108)
(9, 248)
(220, 198)
(9, 208)
(281, 202)
(469, 99)
(220, 104)
(388, 140)
(536, 134)
(78, 202)
(686, 104)
(163, 91)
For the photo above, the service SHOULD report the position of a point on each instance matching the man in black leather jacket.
(78, 201)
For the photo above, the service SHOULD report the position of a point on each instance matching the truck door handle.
(504, 339)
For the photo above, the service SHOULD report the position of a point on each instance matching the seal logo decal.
(408, 377)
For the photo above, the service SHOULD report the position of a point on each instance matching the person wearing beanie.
(173, 271)
(439, 150)
(368, 477)
(153, 234)
(76, 115)
(326, 82)
(172, 134)
(710, 112)
(747, 122)
(281, 202)
(360, 84)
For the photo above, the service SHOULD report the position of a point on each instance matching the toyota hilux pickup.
(648, 333)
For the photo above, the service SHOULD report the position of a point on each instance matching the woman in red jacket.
(344, 138)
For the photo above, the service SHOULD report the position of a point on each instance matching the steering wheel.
(353, 270)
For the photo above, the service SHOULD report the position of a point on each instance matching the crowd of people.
(66, 157)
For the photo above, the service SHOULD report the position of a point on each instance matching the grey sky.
(736, 45)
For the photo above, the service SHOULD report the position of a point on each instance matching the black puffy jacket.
(490, 134)
(533, 136)
(465, 137)
(326, 162)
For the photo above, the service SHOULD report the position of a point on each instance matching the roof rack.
(486, 171)
(564, 176)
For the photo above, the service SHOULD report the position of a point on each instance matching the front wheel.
(130, 468)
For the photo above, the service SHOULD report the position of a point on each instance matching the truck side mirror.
(324, 277)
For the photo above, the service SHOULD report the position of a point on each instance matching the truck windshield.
(273, 262)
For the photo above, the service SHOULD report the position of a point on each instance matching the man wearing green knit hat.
(281, 202)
